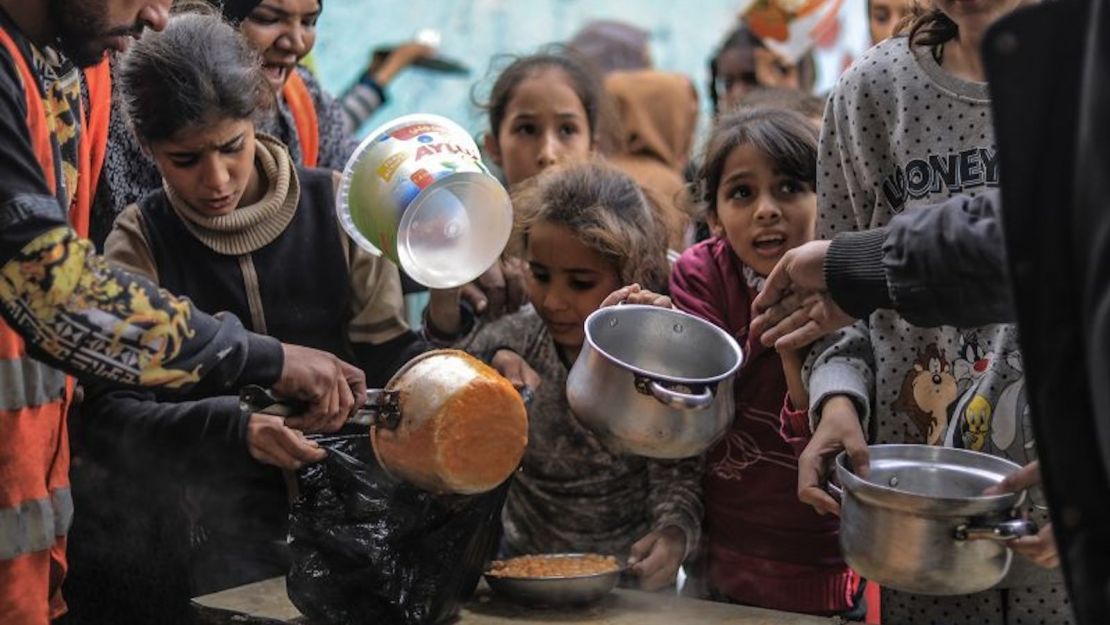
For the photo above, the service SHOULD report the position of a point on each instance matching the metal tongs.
(381, 408)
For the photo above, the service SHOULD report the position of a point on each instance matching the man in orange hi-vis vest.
(65, 311)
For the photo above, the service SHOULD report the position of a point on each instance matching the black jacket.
(936, 265)
(1049, 71)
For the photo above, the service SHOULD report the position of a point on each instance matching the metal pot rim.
(614, 310)
(400, 374)
(894, 498)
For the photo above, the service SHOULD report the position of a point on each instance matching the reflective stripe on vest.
(38, 508)
(34, 525)
(25, 383)
(299, 100)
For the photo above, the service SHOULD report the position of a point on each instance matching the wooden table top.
(268, 600)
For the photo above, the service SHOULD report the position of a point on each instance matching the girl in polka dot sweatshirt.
(901, 131)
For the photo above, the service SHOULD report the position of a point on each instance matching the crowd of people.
(152, 180)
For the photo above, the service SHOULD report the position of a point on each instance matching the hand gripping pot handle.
(379, 409)
(1001, 531)
(675, 399)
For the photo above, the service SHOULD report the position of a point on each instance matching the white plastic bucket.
(416, 190)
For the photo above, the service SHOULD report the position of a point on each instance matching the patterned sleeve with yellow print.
(82, 315)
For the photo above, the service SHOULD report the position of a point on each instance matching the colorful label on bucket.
(404, 133)
(389, 167)
(444, 149)
(422, 178)
(400, 162)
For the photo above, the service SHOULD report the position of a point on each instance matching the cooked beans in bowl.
(576, 565)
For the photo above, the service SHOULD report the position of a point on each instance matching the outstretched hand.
(794, 309)
(384, 66)
(501, 290)
(636, 294)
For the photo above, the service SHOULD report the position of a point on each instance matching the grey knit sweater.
(899, 132)
(572, 494)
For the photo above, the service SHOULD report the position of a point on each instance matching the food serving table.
(266, 603)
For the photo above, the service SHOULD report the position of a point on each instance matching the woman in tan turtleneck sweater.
(236, 227)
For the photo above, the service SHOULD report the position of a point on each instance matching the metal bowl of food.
(557, 579)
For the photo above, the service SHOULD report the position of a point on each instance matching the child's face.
(735, 76)
(283, 32)
(545, 124)
(740, 70)
(761, 213)
(209, 166)
(567, 281)
(883, 17)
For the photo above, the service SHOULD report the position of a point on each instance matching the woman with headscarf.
(658, 113)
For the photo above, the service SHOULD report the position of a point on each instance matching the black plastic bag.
(370, 549)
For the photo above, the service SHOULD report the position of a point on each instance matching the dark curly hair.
(606, 210)
(928, 26)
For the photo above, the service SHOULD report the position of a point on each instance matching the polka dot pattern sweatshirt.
(900, 132)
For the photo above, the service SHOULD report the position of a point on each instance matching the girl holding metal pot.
(909, 125)
(763, 547)
(236, 226)
(585, 230)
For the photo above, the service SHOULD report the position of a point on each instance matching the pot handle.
(835, 491)
(679, 400)
(1006, 530)
(253, 398)
(379, 408)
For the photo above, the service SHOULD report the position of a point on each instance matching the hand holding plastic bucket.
(416, 190)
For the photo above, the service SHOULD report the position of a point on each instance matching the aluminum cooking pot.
(653, 381)
(446, 422)
(919, 523)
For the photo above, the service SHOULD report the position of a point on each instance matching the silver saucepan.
(920, 522)
(654, 381)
